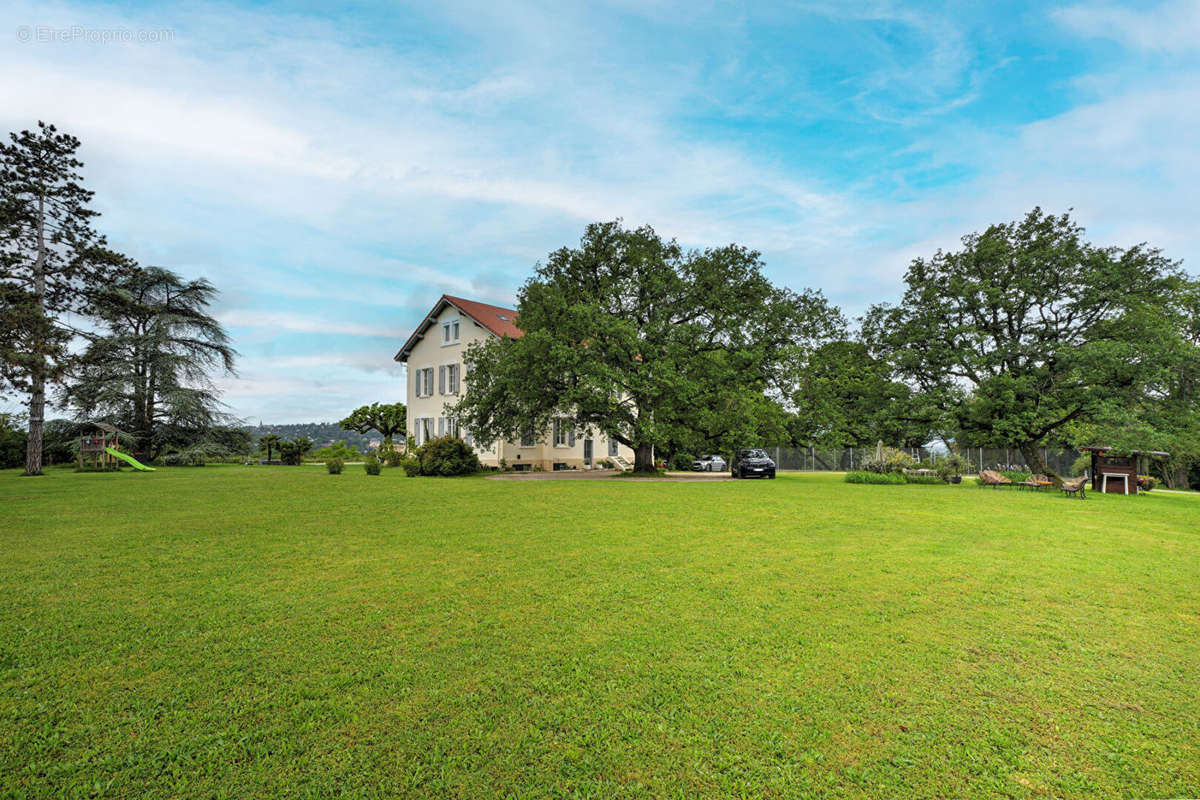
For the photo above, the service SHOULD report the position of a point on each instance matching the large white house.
(434, 355)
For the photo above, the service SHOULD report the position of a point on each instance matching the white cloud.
(1170, 27)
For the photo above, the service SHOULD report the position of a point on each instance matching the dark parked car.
(753, 462)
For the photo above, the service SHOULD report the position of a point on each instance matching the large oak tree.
(1030, 327)
(631, 335)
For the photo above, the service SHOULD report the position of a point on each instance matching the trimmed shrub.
(875, 477)
(927, 479)
(334, 465)
(371, 464)
(446, 456)
(412, 466)
(682, 462)
(393, 457)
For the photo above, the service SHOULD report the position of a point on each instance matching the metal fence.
(824, 459)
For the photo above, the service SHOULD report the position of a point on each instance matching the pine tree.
(51, 261)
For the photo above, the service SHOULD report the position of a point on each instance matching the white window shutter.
(442, 379)
(571, 435)
(441, 426)
(417, 383)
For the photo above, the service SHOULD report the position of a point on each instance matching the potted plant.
(950, 468)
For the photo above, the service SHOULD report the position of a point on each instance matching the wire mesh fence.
(844, 459)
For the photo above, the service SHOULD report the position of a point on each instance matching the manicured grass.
(254, 632)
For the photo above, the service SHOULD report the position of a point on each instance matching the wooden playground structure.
(93, 449)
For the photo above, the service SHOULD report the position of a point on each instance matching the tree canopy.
(634, 336)
(51, 261)
(147, 368)
(388, 419)
(1029, 327)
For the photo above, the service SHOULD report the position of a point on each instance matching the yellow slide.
(133, 462)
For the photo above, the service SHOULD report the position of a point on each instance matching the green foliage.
(951, 466)
(412, 466)
(196, 455)
(1028, 328)
(846, 397)
(337, 450)
(371, 464)
(893, 461)
(388, 419)
(446, 456)
(12, 441)
(393, 457)
(149, 368)
(335, 466)
(643, 341)
(932, 480)
(875, 477)
(52, 265)
(682, 461)
(292, 451)
(1147, 483)
(269, 443)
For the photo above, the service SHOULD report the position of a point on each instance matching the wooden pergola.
(1115, 471)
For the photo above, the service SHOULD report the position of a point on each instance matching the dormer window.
(450, 332)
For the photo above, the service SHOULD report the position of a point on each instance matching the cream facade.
(435, 356)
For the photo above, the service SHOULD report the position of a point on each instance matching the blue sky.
(333, 170)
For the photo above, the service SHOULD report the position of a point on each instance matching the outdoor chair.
(1076, 487)
(989, 478)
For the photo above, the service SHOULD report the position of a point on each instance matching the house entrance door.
(587, 451)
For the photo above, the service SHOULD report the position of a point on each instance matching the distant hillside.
(322, 433)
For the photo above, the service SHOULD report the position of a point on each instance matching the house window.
(424, 382)
(450, 332)
(612, 448)
(423, 431)
(448, 379)
(528, 439)
(564, 432)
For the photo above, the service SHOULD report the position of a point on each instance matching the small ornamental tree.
(388, 419)
(270, 441)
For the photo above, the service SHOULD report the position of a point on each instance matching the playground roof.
(104, 426)
(1119, 451)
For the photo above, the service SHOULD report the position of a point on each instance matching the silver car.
(709, 464)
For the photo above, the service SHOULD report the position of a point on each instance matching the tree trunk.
(37, 395)
(1179, 476)
(1036, 465)
(643, 458)
(37, 419)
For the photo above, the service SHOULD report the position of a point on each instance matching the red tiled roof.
(500, 321)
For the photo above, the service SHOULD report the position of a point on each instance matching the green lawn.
(253, 632)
